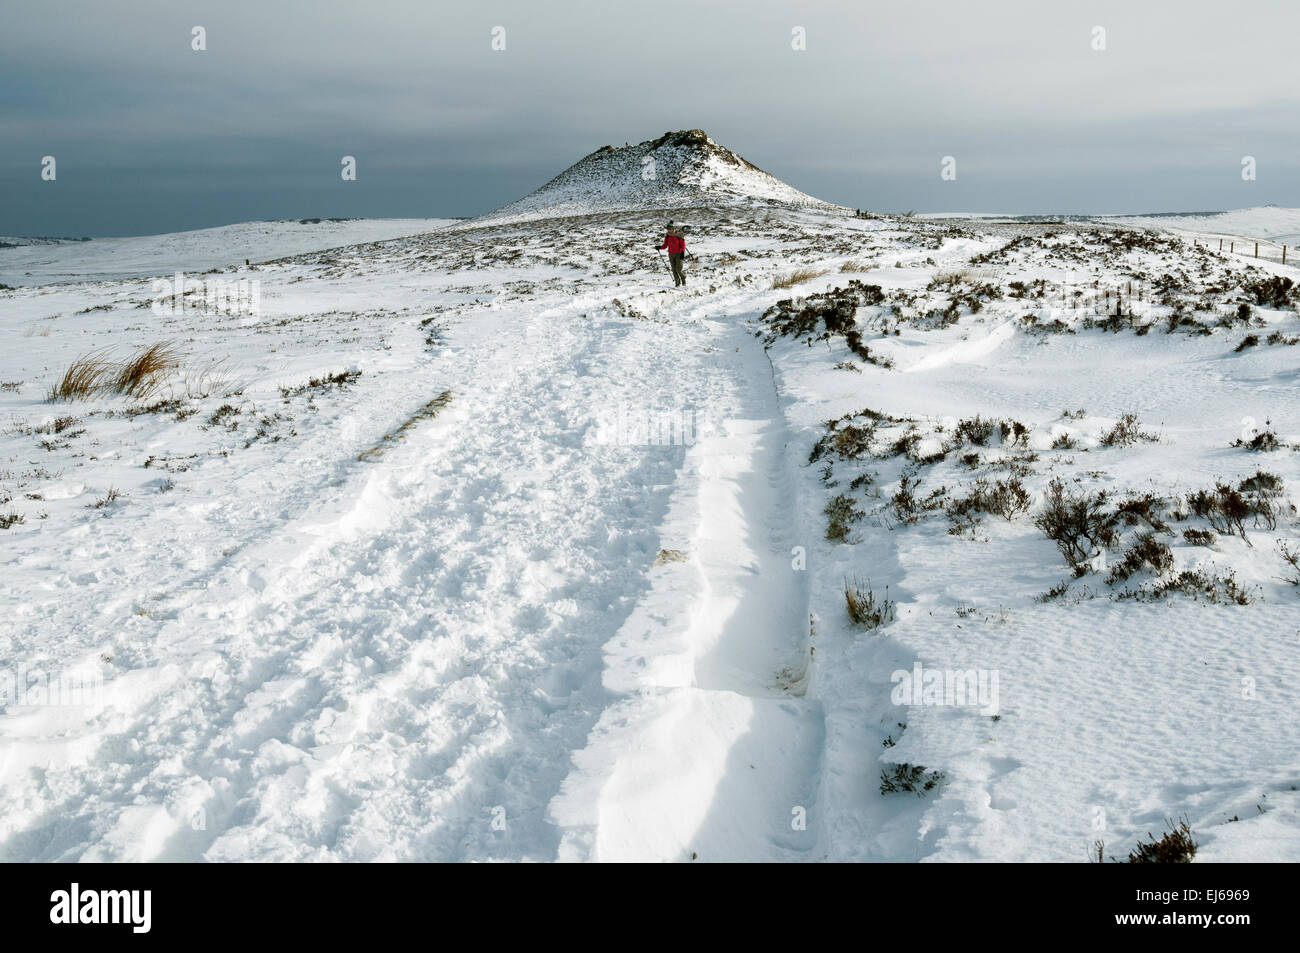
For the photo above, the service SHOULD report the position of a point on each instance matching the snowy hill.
(677, 169)
(1280, 225)
(40, 261)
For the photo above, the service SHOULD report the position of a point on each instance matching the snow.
(41, 262)
(1280, 225)
(580, 604)
(677, 169)
(965, 352)
(1263, 223)
(717, 745)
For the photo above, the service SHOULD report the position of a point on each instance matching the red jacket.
(674, 243)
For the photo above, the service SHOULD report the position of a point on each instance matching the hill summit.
(677, 169)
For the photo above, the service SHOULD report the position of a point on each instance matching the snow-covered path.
(714, 753)
(404, 669)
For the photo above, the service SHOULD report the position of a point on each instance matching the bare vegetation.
(825, 315)
(1078, 522)
(146, 371)
(1146, 553)
(336, 379)
(1263, 441)
(798, 276)
(1006, 498)
(864, 608)
(1175, 847)
(84, 378)
(1273, 292)
(909, 779)
(1226, 508)
(841, 513)
(427, 412)
(910, 507)
(140, 376)
(1197, 584)
(1290, 556)
(209, 378)
(1127, 431)
(107, 499)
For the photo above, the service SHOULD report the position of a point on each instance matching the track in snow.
(715, 753)
(405, 672)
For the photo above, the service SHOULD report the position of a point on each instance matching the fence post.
(1220, 244)
(1284, 254)
(1256, 249)
(1232, 246)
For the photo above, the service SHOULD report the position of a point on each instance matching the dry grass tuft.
(211, 377)
(85, 377)
(1176, 847)
(427, 412)
(141, 376)
(797, 277)
(108, 499)
(864, 608)
(148, 370)
(336, 379)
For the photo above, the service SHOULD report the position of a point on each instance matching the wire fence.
(1261, 248)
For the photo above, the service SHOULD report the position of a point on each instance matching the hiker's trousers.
(675, 259)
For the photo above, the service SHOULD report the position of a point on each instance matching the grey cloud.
(151, 136)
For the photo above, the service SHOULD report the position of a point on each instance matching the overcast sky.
(152, 136)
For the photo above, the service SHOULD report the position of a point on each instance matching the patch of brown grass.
(864, 608)
(797, 277)
(108, 499)
(146, 371)
(85, 377)
(427, 412)
(140, 376)
(1176, 847)
(337, 379)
